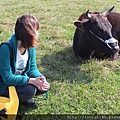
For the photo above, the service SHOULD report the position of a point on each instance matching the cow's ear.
(78, 24)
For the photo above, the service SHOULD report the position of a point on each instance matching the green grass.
(77, 87)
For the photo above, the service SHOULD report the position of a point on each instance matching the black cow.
(93, 37)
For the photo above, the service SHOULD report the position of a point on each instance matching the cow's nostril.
(114, 45)
(115, 49)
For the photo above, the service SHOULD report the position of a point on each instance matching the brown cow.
(93, 36)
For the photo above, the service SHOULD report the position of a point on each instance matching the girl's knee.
(30, 90)
(26, 92)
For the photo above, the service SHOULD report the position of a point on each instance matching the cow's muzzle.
(112, 44)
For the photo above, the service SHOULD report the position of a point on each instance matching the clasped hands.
(40, 82)
(43, 84)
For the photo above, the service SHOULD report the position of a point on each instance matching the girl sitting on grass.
(23, 72)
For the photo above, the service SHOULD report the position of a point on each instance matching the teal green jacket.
(8, 76)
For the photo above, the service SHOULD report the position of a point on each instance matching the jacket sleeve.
(33, 70)
(5, 69)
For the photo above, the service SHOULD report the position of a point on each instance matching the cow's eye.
(100, 29)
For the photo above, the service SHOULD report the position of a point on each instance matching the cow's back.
(76, 40)
(80, 45)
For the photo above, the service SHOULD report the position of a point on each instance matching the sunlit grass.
(77, 87)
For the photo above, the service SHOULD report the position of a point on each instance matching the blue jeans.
(24, 92)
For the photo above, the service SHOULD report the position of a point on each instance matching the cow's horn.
(88, 15)
(108, 11)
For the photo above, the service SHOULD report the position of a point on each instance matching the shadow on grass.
(64, 66)
(60, 66)
(22, 112)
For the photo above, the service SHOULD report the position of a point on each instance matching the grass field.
(77, 87)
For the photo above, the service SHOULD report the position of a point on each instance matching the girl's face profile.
(36, 34)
